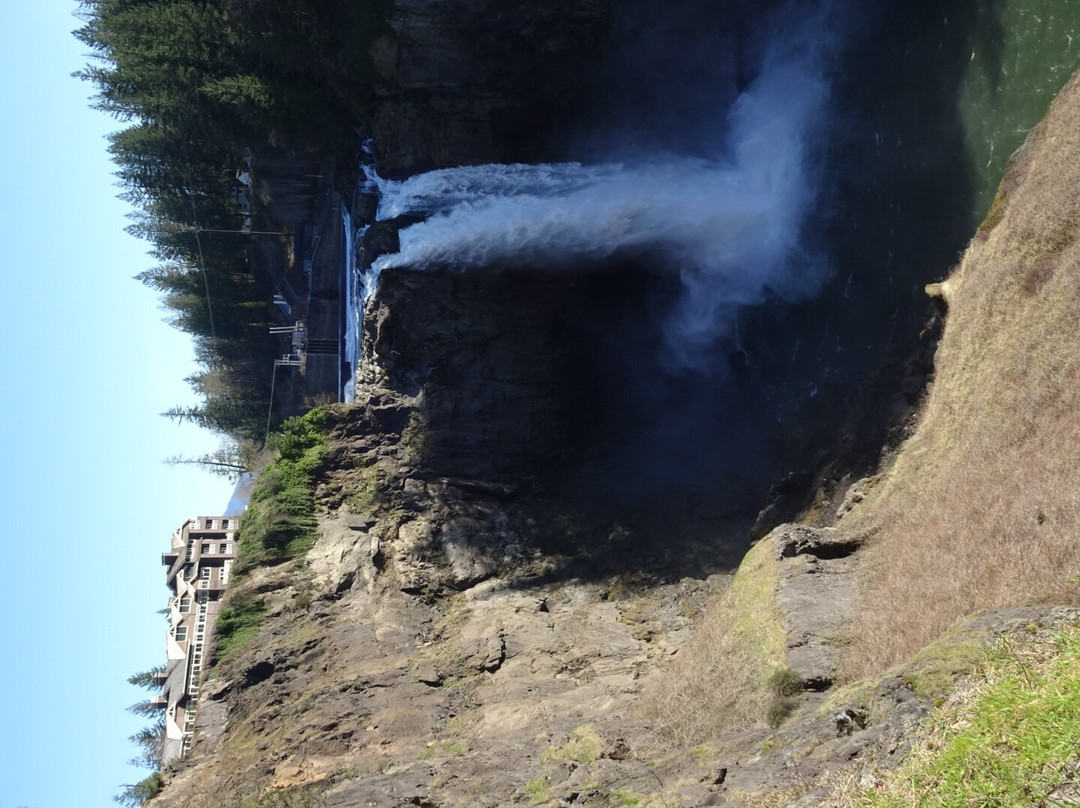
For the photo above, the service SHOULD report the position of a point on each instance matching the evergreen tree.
(197, 85)
(148, 679)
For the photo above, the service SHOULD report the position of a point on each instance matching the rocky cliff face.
(497, 612)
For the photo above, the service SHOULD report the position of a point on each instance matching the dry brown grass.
(719, 680)
(844, 786)
(982, 508)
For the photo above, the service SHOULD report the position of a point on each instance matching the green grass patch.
(538, 789)
(279, 522)
(935, 670)
(702, 754)
(443, 749)
(1007, 746)
(584, 746)
(237, 624)
(415, 436)
(364, 495)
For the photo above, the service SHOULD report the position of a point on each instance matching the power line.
(270, 411)
(196, 228)
(202, 264)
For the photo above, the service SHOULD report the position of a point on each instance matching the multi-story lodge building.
(198, 562)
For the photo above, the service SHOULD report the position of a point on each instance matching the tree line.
(198, 86)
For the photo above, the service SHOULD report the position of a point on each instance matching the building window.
(224, 548)
(204, 573)
(185, 604)
(206, 549)
(224, 524)
(181, 633)
(209, 524)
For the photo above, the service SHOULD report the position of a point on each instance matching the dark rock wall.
(555, 375)
(509, 371)
(475, 81)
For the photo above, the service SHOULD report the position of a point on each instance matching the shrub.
(237, 623)
(140, 793)
(785, 685)
(279, 522)
(779, 709)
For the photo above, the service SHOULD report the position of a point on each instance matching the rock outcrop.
(817, 595)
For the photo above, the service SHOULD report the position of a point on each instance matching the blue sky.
(88, 503)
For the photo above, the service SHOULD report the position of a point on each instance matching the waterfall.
(728, 217)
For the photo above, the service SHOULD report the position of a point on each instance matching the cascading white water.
(729, 220)
(353, 312)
